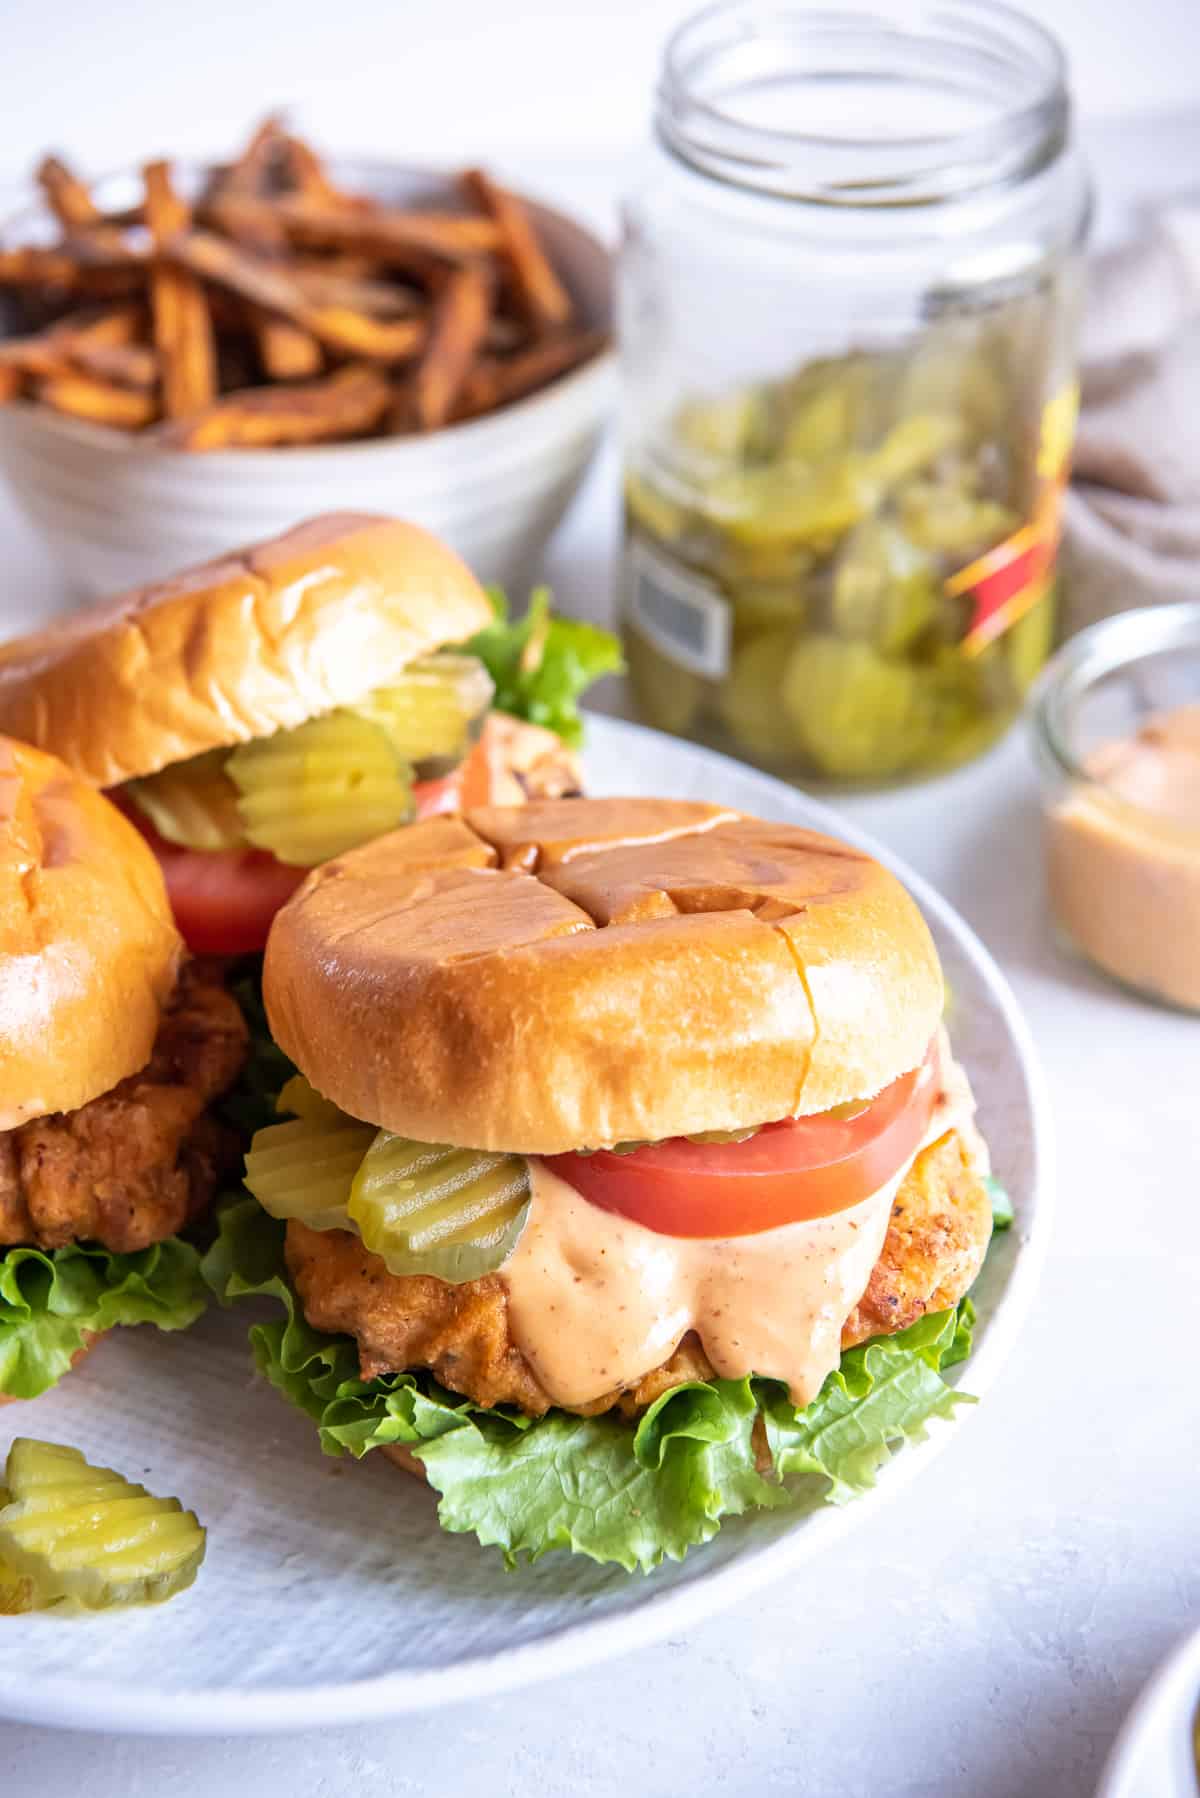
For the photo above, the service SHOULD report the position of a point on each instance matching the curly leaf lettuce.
(51, 1303)
(541, 664)
(599, 1486)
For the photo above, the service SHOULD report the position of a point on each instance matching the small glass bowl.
(1124, 871)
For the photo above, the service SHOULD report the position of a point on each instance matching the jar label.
(1008, 580)
(685, 617)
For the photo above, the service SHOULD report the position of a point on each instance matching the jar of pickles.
(849, 294)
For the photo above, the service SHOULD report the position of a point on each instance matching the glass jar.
(1116, 729)
(848, 300)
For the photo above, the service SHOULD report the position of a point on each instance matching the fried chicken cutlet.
(937, 1235)
(135, 1165)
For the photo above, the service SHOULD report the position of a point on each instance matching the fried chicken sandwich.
(112, 1051)
(257, 715)
(627, 1174)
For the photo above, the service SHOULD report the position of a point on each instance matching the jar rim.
(981, 56)
(1094, 653)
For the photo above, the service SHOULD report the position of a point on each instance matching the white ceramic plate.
(329, 1594)
(1155, 1755)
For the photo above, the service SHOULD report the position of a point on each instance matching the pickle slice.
(884, 589)
(428, 1209)
(304, 1169)
(791, 502)
(16, 1589)
(856, 714)
(193, 803)
(86, 1535)
(915, 442)
(300, 1100)
(669, 695)
(311, 793)
(751, 701)
(434, 708)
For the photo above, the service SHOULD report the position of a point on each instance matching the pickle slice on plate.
(427, 1209)
(16, 1589)
(193, 803)
(304, 1169)
(433, 709)
(85, 1535)
(311, 793)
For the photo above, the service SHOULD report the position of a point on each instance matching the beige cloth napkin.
(1132, 518)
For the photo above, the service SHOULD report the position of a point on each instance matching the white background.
(983, 1636)
(112, 80)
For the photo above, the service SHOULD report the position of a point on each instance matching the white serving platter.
(329, 1594)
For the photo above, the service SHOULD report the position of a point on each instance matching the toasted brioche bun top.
(88, 952)
(575, 973)
(256, 642)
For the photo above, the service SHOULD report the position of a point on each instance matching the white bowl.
(118, 511)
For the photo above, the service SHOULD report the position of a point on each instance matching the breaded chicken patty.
(135, 1165)
(937, 1236)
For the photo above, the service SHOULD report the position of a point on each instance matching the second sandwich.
(627, 1172)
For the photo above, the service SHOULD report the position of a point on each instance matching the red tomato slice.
(223, 899)
(432, 797)
(800, 1168)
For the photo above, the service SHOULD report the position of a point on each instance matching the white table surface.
(984, 1634)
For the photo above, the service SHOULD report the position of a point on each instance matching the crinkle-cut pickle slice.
(431, 712)
(193, 803)
(428, 1209)
(86, 1535)
(304, 1168)
(312, 793)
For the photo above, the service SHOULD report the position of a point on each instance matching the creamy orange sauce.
(1123, 858)
(596, 1301)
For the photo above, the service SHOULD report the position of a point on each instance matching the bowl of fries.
(198, 355)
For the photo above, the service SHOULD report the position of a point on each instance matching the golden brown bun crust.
(256, 642)
(7, 1398)
(575, 972)
(88, 952)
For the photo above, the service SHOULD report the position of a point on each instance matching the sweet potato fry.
(288, 352)
(10, 383)
(131, 365)
(100, 401)
(456, 331)
(306, 172)
(267, 287)
(350, 403)
(183, 333)
(325, 286)
(389, 237)
(52, 351)
(250, 172)
(499, 380)
(539, 291)
(66, 195)
(74, 266)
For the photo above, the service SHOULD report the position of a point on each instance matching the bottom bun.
(9, 1398)
(405, 1458)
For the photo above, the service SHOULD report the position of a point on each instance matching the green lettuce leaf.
(599, 1486)
(51, 1302)
(1002, 1205)
(542, 664)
